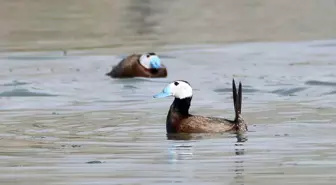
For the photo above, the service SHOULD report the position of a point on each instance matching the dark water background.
(64, 122)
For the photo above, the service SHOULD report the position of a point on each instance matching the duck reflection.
(239, 162)
(184, 151)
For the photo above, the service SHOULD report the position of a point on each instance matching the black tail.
(112, 72)
(237, 99)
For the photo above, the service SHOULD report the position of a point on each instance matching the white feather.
(145, 61)
(182, 90)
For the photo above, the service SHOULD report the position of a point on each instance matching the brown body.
(180, 121)
(130, 67)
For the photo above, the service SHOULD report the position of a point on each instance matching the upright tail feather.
(241, 125)
(237, 99)
(240, 98)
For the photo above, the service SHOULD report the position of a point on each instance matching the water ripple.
(23, 93)
(16, 83)
(289, 92)
(320, 83)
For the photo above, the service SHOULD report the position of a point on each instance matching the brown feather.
(201, 124)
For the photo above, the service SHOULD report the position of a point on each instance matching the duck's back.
(125, 67)
(201, 124)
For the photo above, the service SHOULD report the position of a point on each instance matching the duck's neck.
(181, 106)
(177, 112)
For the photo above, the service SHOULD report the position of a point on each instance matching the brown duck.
(137, 65)
(179, 120)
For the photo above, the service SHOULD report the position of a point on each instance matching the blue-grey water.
(64, 122)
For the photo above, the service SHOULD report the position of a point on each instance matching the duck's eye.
(176, 83)
(148, 56)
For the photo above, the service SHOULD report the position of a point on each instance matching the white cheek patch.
(173, 89)
(182, 92)
(185, 94)
(145, 62)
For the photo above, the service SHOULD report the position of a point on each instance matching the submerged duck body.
(179, 120)
(139, 65)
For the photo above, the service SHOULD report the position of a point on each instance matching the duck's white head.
(150, 61)
(179, 89)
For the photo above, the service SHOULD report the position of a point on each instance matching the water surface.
(65, 122)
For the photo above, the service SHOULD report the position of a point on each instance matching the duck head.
(150, 61)
(179, 89)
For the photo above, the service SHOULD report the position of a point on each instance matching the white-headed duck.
(179, 120)
(139, 65)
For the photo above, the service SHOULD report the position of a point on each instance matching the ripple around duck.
(229, 90)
